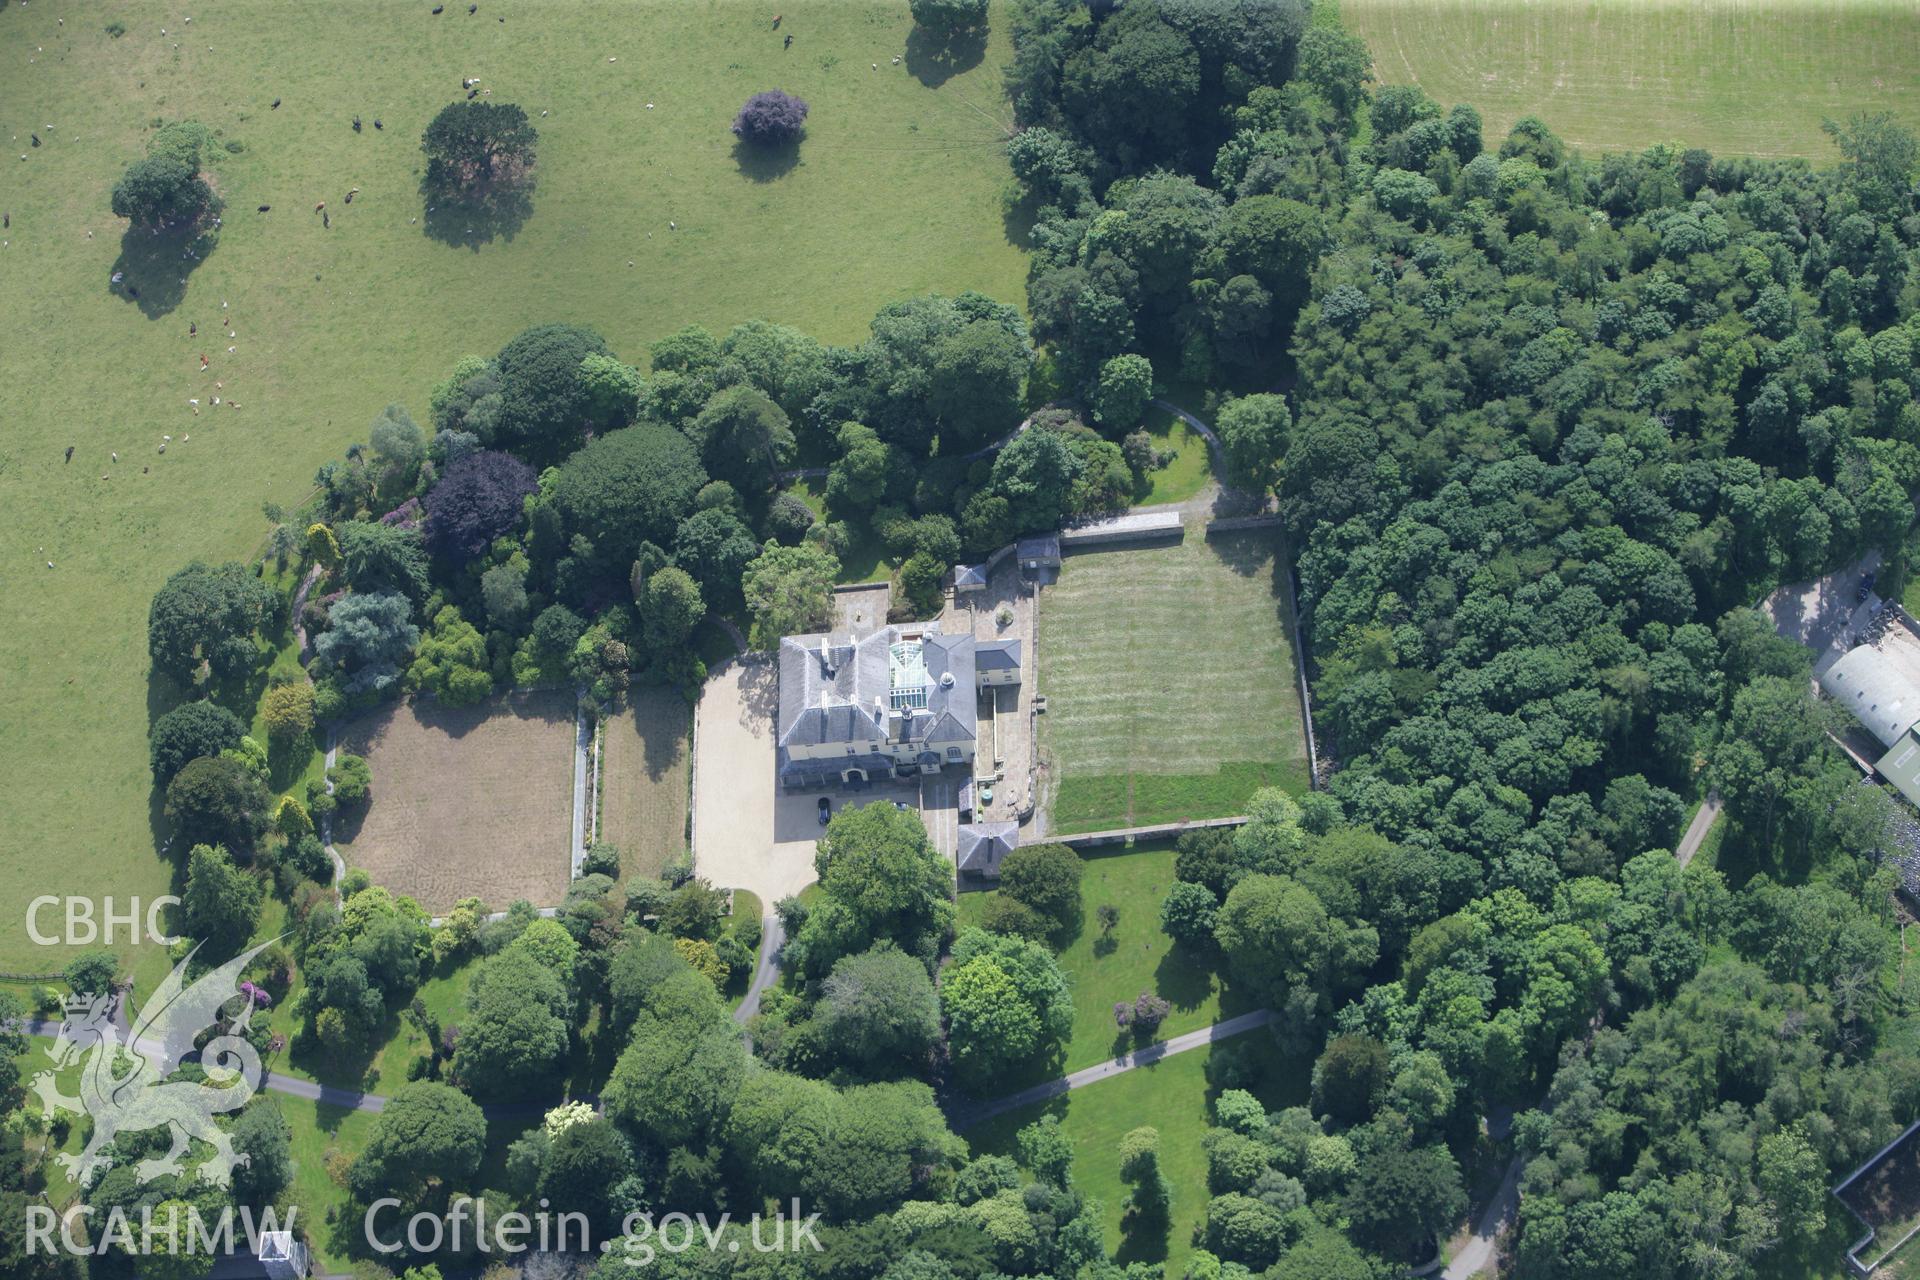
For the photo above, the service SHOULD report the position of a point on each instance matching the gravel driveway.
(745, 834)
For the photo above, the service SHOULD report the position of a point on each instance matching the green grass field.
(1172, 1095)
(1169, 680)
(897, 192)
(1136, 957)
(1733, 76)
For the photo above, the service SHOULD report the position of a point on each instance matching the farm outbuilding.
(1876, 690)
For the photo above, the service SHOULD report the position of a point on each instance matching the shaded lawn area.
(1136, 957)
(319, 1131)
(1174, 1096)
(1186, 473)
(644, 767)
(866, 559)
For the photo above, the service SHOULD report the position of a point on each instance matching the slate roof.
(832, 700)
(1044, 548)
(951, 688)
(984, 844)
(997, 655)
(836, 689)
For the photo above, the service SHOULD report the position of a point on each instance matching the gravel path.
(1113, 1067)
(1703, 820)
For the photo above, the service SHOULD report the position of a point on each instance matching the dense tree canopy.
(546, 401)
(208, 613)
(189, 731)
(476, 146)
(479, 497)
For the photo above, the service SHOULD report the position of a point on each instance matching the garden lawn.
(1169, 679)
(866, 559)
(1174, 1096)
(1136, 957)
(897, 191)
(1729, 75)
(643, 779)
(1186, 473)
(318, 1129)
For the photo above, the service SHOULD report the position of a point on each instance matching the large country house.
(860, 709)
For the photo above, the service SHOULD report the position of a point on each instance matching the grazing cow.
(789, 43)
(472, 94)
(263, 208)
(356, 124)
(439, 9)
(69, 453)
(317, 208)
(377, 124)
(275, 106)
(351, 194)
(472, 9)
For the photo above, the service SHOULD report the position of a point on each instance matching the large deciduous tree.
(217, 801)
(479, 497)
(208, 613)
(772, 117)
(475, 147)
(189, 731)
(546, 401)
(789, 591)
(428, 1134)
(630, 486)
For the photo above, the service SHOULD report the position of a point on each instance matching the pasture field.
(1746, 77)
(896, 192)
(467, 801)
(1106, 968)
(1169, 678)
(643, 779)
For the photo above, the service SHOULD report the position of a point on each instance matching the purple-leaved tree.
(772, 117)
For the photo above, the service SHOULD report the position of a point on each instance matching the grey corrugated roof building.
(1880, 696)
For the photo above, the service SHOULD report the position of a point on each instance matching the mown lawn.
(1106, 968)
(1170, 683)
(897, 191)
(644, 768)
(1173, 1095)
(1186, 473)
(1732, 76)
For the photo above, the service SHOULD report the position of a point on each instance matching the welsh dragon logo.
(124, 1085)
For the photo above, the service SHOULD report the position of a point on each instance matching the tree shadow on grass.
(1017, 219)
(766, 161)
(1143, 1236)
(935, 59)
(153, 268)
(462, 221)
